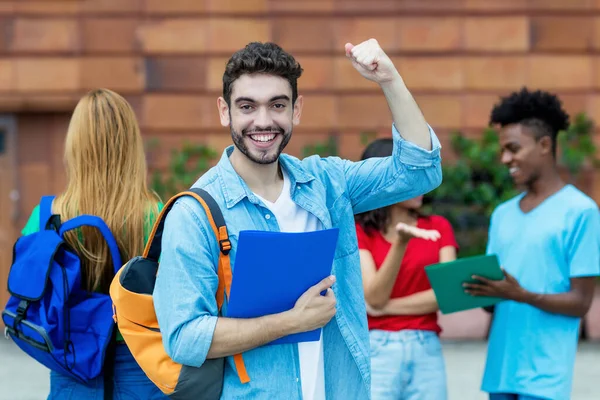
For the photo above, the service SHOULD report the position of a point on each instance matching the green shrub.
(186, 165)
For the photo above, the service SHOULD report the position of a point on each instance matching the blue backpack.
(49, 316)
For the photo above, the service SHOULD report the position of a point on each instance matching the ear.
(297, 110)
(223, 111)
(545, 143)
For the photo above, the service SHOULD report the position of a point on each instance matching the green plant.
(474, 185)
(576, 145)
(326, 148)
(186, 165)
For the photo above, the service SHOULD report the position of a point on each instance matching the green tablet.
(447, 279)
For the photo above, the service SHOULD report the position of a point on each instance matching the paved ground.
(23, 379)
(465, 362)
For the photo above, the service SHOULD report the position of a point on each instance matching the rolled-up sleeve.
(409, 172)
(186, 283)
(412, 155)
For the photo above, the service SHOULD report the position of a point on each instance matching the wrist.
(394, 82)
(526, 297)
(287, 322)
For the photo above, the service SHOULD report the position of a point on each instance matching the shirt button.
(298, 187)
(268, 216)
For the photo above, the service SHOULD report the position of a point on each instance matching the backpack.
(48, 315)
(131, 291)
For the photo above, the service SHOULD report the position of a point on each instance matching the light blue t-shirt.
(530, 351)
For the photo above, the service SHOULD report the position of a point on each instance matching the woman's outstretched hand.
(407, 232)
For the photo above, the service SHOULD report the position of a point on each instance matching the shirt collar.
(235, 189)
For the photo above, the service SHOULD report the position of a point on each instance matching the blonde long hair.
(106, 173)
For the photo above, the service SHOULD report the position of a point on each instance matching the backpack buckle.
(22, 308)
(6, 336)
(225, 246)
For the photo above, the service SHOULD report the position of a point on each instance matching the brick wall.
(167, 57)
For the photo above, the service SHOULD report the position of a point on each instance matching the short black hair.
(539, 110)
(382, 147)
(265, 58)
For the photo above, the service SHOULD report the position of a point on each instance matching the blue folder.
(273, 269)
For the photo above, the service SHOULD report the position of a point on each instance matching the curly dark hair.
(539, 110)
(266, 58)
(378, 219)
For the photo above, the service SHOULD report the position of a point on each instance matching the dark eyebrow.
(280, 97)
(241, 99)
(250, 100)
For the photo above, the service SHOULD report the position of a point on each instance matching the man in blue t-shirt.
(548, 242)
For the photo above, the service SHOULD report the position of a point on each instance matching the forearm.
(407, 116)
(237, 335)
(569, 303)
(379, 289)
(420, 303)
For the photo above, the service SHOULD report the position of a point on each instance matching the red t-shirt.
(411, 277)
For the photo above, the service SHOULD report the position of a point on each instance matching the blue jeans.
(407, 365)
(510, 396)
(130, 383)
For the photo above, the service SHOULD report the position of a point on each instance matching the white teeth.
(513, 170)
(263, 138)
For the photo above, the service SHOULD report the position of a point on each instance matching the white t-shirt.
(293, 218)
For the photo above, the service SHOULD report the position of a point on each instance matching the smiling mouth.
(513, 171)
(263, 137)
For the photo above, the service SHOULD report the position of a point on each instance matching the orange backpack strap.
(217, 223)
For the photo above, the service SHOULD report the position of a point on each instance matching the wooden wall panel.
(167, 57)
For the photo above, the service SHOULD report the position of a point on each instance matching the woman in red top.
(396, 243)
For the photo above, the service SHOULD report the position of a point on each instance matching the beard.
(267, 156)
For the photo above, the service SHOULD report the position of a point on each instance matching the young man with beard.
(548, 241)
(259, 188)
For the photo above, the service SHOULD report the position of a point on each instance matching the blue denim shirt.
(333, 190)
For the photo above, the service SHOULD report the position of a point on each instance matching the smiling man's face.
(261, 116)
(524, 154)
